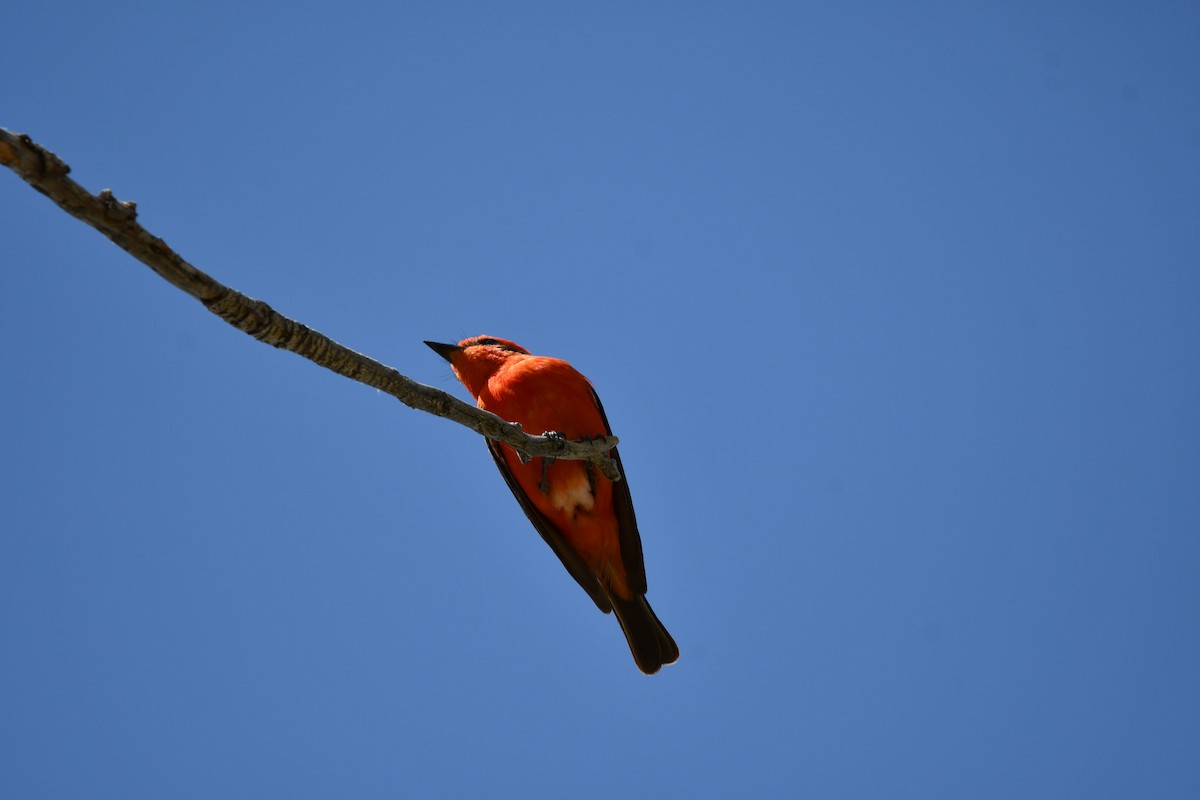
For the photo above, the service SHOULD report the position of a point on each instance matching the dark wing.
(631, 541)
(580, 571)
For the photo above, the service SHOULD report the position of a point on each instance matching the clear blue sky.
(895, 309)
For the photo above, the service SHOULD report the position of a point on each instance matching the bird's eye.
(487, 340)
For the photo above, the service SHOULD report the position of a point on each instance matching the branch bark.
(117, 220)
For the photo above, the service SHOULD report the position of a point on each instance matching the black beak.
(444, 350)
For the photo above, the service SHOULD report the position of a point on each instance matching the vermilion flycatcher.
(586, 519)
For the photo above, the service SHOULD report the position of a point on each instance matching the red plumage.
(586, 519)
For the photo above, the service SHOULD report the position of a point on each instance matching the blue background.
(894, 308)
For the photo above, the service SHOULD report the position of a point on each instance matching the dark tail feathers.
(649, 641)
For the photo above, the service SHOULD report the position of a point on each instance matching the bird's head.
(474, 360)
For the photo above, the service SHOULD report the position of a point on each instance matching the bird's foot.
(589, 467)
(547, 461)
(544, 484)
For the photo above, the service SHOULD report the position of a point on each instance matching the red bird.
(586, 519)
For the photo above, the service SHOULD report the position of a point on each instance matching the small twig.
(117, 220)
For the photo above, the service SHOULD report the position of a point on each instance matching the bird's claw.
(547, 461)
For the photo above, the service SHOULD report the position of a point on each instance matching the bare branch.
(117, 220)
